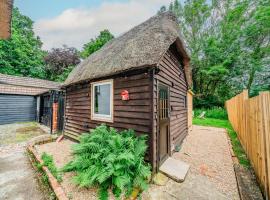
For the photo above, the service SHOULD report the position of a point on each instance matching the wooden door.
(164, 122)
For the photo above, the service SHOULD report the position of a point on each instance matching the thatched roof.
(142, 46)
(5, 18)
(25, 85)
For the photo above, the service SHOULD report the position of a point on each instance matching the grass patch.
(236, 145)
(49, 162)
(24, 132)
(42, 178)
(215, 113)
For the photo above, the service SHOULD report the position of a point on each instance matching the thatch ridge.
(143, 45)
(5, 18)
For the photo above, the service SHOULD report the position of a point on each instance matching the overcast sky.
(75, 22)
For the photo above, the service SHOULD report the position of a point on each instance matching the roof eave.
(109, 75)
(186, 60)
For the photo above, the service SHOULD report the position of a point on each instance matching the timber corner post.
(189, 103)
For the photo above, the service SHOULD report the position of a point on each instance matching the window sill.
(95, 118)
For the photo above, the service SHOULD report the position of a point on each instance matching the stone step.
(175, 169)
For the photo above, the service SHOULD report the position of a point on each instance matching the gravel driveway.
(17, 178)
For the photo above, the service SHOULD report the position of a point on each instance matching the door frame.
(160, 162)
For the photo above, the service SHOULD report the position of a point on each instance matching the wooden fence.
(250, 118)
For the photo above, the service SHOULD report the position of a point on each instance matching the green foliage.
(108, 159)
(257, 89)
(236, 145)
(60, 62)
(97, 43)
(215, 113)
(63, 76)
(229, 46)
(42, 177)
(207, 101)
(22, 54)
(48, 161)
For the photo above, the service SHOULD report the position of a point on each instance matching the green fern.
(49, 162)
(108, 159)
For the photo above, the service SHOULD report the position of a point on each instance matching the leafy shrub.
(215, 113)
(48, 161)
(208, 101)
(110, 160)
(42, 177)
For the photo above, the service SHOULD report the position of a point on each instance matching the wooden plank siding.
(172, 75)
(133, 114)
(141, 111)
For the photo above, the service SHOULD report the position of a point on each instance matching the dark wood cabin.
(149, 63)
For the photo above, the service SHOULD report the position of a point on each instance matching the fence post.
(264, 103)
(242, 118)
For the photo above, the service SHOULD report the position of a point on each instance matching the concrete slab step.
(175, 169)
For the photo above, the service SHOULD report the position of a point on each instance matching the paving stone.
(175, 169)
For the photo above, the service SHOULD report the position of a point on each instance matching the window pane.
(102, 99)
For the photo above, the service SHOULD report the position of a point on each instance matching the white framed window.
(102, 101)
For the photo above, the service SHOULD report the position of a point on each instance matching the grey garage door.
(17, 108)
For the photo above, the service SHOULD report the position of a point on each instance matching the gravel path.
(211, 175)
(17, 178)
(208, 151)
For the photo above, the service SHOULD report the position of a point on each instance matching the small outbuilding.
(21, 98)
(137, 81)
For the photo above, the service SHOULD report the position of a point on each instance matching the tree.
(257, 45)
(60, 62)
(22, 54)
(97, 43)
(228, 43)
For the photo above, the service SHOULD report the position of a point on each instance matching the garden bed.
(210, 177)
(61, 153)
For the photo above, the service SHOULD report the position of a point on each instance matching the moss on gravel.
(20, 132)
